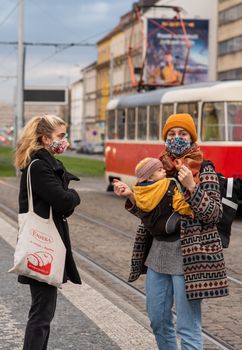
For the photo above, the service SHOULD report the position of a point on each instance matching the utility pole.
(19, 118)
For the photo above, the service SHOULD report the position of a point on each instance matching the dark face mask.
(178, 146)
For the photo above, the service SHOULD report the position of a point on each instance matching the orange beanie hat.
(184, 121)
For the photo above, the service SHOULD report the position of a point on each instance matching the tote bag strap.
(30, 194)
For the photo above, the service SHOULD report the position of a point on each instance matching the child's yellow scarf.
(148, 197)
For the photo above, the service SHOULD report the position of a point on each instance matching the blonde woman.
(41, 139)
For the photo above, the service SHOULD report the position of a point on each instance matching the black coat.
(50, 182)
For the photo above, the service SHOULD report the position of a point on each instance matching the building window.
(233, 74)
(229, 46)
(230, 15)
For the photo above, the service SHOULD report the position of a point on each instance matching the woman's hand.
(186, 178)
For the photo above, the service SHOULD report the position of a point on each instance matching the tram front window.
(111, 124)
(142, 123)
(121, 123)
(190, 108)
(234, 121)
(167, 110)
(154, 123)
(131, 124)
(213, 122)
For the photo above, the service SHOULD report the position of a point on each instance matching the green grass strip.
(76, 165)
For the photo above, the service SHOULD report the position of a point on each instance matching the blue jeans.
(161, 291)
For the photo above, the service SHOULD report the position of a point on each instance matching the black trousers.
(40, 316)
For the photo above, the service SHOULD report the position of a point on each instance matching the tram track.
(113, 277)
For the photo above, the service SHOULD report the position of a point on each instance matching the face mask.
(58, 146)
(178, 146)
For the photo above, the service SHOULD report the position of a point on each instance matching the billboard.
(46, 95)
(169, 60)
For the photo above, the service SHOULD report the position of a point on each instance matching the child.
(158, 199)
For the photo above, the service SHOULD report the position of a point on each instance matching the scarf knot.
(192, 159)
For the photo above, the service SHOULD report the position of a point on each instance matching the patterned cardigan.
(203, 261)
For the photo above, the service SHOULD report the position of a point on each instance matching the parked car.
(96, 148)
(91, 148)
(84, 147)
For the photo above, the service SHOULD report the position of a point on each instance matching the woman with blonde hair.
(42, 138)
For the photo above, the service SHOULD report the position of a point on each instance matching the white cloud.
(100, 7)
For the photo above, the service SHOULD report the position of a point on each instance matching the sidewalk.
(84, 320)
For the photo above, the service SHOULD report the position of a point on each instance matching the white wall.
(76, 112)
(90, 79)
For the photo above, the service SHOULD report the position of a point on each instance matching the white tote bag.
(39, 253)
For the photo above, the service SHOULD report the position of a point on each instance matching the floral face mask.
(58, 146)
(178, 146)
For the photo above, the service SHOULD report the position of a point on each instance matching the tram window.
(111, 124)
(234, 121)
(121, 123)
(142, 123)
(131, 124)
(213, 123)
(154, 122)
(190, 108)
(167, 110)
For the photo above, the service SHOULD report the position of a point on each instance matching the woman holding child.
(185, 267)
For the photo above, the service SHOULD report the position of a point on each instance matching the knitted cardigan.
(203, 261)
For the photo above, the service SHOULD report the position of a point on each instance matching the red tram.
(134, 125)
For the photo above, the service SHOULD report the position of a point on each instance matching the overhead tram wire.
(7, 56)
(61, 46)
(10, 13)
(65, 45)
(54, 17)
(48, 57)
(7, 76)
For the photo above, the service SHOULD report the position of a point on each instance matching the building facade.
(76, 113)
(192, 10)
(121, 61)
(93, 125)
(103, 76)
(230, 40)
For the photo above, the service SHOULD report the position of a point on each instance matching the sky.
(53, 21)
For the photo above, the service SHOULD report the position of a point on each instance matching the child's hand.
(121, 189)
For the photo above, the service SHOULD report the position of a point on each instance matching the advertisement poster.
(170, 61)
